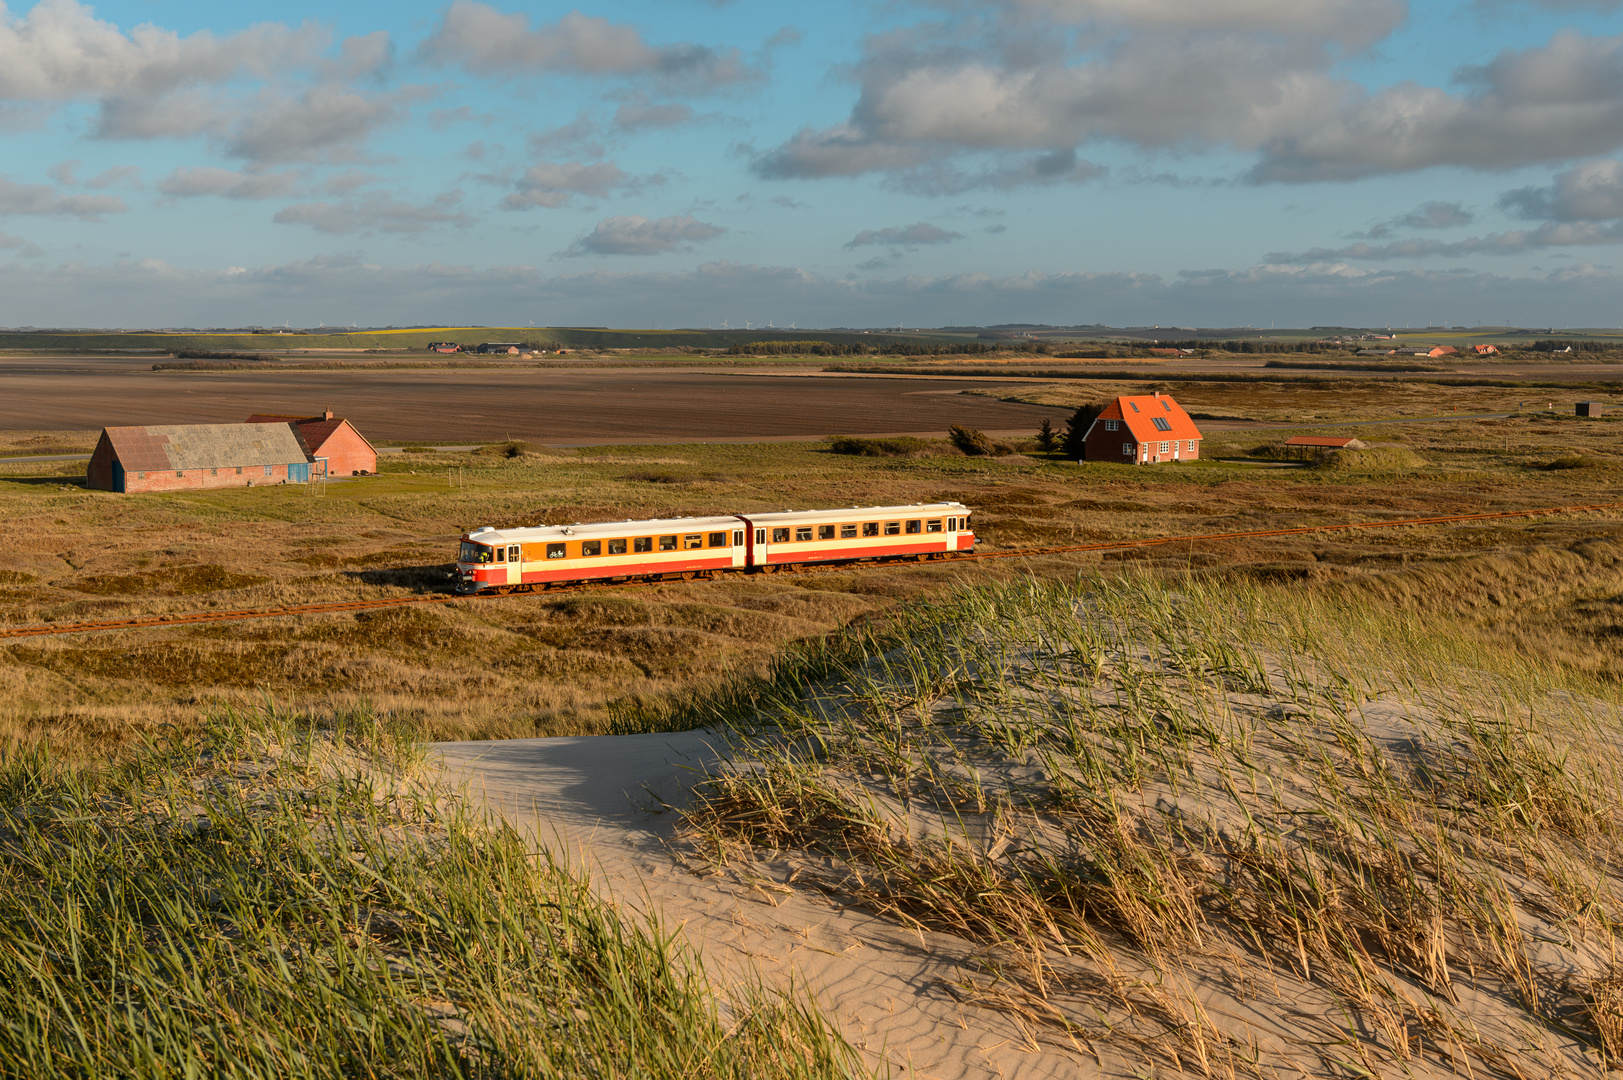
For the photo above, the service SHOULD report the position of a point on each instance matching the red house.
(345, 450)
(1146, 430)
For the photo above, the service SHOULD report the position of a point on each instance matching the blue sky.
(686, 162)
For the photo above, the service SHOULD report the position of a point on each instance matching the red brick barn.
(195, 456)
(1147, 430)
(328, 438)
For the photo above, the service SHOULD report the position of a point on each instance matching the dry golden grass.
(563, 665)
(1205, 828)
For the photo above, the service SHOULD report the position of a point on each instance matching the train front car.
(872, 533)
(521, 560)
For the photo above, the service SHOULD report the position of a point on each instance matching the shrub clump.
(1575, 461)
(898, 447)
(976, 443)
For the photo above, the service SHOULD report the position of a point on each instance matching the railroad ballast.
(520, 560)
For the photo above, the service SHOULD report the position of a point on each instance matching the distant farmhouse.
(444, 347)
(196, 456)
(332, 440)
(1146, 430)
(510, 348)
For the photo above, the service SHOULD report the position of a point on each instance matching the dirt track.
(568, 406)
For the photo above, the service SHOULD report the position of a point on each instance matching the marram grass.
(277, 897)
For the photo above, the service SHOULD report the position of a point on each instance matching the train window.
(952, 524)
(556, 551)
(692, 542)
(825, 532)
(912, 526)
(760, 536)
(667, 543)
(893, 528)
(515, 553)
(591, 547)
(501, 554)
(617, 547)
(643, 543)
(717, 540)
(738, 536)
(803, 532)
(870, 528)
(847, 531)
(933, 526)
(780, 536)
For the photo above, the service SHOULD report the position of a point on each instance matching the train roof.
(537, 533)
(846, 513)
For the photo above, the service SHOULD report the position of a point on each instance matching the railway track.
(187, 618)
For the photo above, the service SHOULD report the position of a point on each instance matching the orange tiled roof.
(1140, 413)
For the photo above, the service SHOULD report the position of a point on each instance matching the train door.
(515, 563)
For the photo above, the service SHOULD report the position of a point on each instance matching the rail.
(187, 618)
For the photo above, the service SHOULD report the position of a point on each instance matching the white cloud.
(46, 200)
(323, 123)
(640, 113)
(185, 183)
(637, 235)
(1551, 234)
(29, 250)
(554, 183)
(376, 212)
(1430, 215)
(904, 236)
(483, 40)
(1589, 191)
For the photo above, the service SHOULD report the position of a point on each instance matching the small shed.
(331, 439)
(1591, 408)
(1317, 446)
(1143, 430)
(196, 456)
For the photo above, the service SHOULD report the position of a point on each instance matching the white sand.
(598, 800)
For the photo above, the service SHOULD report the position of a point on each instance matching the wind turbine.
(725, 325)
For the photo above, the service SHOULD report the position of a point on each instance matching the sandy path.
(597, 799)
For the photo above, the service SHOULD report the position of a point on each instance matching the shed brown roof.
(314, 430)
(204, 446)
(1318, 440)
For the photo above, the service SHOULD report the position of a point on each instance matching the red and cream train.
(521, 560)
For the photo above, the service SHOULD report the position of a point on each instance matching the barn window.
(214, 472)
(180, 472)
(556, 551)
(913, 526)
(893, 528)
(933, 526)
(780, 536)
(617, 547)
(239, 470)
(667, 543)
(591, 547)
(270, 470)
(717, 540)
(140, 476)
(803, 532)
(692, 542)
(847, 531)
(1127, 448)
(870, 528)
(643, 543)
(1112, 425)
(825, 532)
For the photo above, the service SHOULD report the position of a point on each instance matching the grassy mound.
(1208, 831)
(276, 897)
(1373, 459)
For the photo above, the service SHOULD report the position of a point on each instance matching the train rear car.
(519, 560)
(925, 530)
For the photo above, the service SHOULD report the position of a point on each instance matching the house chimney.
(327, 415)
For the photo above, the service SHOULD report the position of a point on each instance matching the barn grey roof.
(205, 446)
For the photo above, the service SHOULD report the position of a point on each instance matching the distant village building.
(1443, 350)
(1484, 350)
(331, 440)
(1143, 430)
(444, 347)
(196, 456)
(510, 348)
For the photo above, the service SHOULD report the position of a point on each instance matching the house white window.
(1112, 425)
(1166, 448)
(269, 470)
(1189, 447)
(1127, 448)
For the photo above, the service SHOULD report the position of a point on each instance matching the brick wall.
(204, 479)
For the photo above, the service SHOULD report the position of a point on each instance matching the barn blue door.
(298, 472)
(118, 475)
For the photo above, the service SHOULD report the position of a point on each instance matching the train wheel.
(688, 575)
(769, 568)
